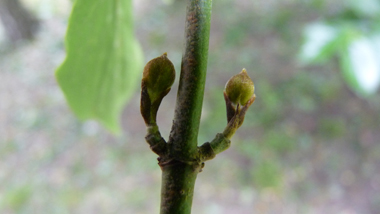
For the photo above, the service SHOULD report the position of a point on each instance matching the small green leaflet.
(103, 62)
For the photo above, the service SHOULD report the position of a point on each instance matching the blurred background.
(310, 143)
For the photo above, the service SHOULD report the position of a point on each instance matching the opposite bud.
(240, 89)
(158, 77)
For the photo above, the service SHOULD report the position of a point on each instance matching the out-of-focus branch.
(18, 23)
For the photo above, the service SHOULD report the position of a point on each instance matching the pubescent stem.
(181, 164)
(185, 127)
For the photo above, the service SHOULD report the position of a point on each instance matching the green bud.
(158, 76)
(240, 88)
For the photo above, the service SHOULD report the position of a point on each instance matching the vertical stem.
(177, 188)
(192, 80)
(180, 165)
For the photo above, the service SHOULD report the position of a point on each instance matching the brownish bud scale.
(158, 77)
(240, 88)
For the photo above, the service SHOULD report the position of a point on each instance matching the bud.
(158, 77)
(240, 89)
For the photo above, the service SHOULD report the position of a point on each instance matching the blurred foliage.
(267, 174)
(16, 198)
(352, 34)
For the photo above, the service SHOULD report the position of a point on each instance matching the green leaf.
(361, 67)
(321, 41)
(365, 7)
(104, 60)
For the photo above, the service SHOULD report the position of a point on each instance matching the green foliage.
(279, 141)
(332, 127)
(103, 60)
(235, 33)
(352, 35)
(16, 197)
(267, 174)
(365, 8)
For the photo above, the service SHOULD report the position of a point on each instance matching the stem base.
(177, 188)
